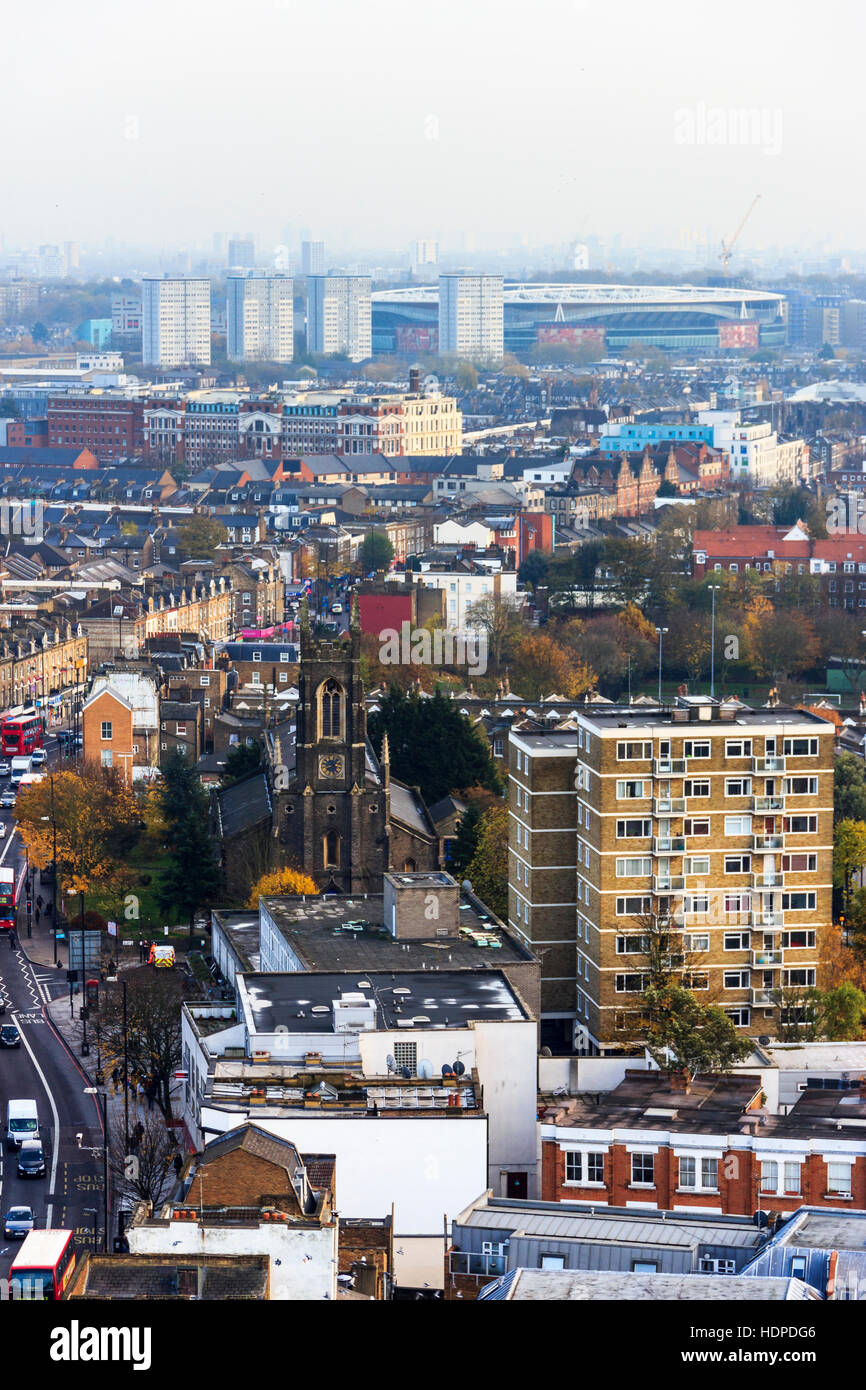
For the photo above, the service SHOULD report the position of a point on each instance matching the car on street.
(31, 1159)
(5, 768)
(2, 829)
(9, 1036)
(336, 607)
(39, 756)
(17, 1222)
(8, 799)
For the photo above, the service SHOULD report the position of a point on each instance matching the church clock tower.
(333, 817)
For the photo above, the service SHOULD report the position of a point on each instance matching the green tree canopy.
(682, 1034)
(849, 788)
(377, 552)
(432, 745)
(199, 537)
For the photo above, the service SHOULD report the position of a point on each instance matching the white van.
(22, 1122)
(20, 767)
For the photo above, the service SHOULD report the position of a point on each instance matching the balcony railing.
(768, 880)
(668, 883)
(768, 767)
(761, 996)
(766, 920)
(768, 805)
(669, 767)
(486, 1266)
(768, 843)
(669, 805)
(768, 960)
(668, 844)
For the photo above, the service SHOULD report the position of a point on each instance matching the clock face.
(331, 765)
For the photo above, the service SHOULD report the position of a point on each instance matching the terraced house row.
(714, 813)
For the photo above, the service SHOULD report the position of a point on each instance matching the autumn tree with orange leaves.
(98, 821)
(542, 667)
(282, 883)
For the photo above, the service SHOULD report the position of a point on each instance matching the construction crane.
(728, 246)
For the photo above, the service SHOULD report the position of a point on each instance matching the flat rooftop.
(567, 1285)
(825, 1230)
(302, 1003)
(349, 933)
(646, 1100)
(242, 932)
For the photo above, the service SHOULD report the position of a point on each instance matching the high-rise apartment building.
(471, 316)
(125, 315)
(175, 320)
(715, 813)
(260, 318)
(339, 315)
(424, 253)
(312, 257)
(242, 253)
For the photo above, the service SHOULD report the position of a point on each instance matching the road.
(44, 1070)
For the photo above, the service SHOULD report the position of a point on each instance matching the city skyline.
(585, 139)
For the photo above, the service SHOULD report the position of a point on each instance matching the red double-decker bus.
(20, 731)
(43, 1266)
(7, 898)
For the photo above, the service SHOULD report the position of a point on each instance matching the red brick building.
(27, 434)
(112, 427)
(656, 1143)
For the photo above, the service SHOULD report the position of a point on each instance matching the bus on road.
(20, 731)
(7, 898)
(43, 1266)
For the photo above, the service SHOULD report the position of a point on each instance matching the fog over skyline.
(487, 124)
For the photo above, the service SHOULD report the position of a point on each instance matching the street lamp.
(661, 632)
(713, 588)
(102, 1102)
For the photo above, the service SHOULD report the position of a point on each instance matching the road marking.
(56, 1144)
(9, 839)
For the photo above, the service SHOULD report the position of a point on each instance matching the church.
(332, 808)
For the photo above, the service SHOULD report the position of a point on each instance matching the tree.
(97, 821)
(498, 617)
(377, 552)
(488, 869)
(153, 1035)
(849, 788)
(682, 1034)
(142, 1171)
(842, 1012)
(241, 760)
(799, 1012)
(282, 883)
(466, 840)
(199, 537)
(39, 333)
(192, 878)
(432, 745)
(542, 667)
(842, 640)
(534, 568)
(849, 856)
(778, 644)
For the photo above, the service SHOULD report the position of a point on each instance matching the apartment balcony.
(768, 843)
(761, 996)
(669, 805)
(767, 960)
(668, 883)
(768, 805)
(669, 767)
(768, 767)
(768, 880)
(766, 921)
(668, 844)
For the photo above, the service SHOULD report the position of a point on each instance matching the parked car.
(31, 1159)
(17, 1222)
(9, 1036)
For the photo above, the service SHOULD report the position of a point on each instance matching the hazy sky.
(371, 122)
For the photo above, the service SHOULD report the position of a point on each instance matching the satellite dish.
(764, 1040)
(390, 1063)
(425, 1068)
(546, 1052)
(406, 1073)
(458, 1068)
(446, 1070)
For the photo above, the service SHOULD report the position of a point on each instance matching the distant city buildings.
(176, 320)
(312, 258)
(260, 318)
(339, 315)
(424, 253)
(125, 315)
(471, 316)
(242, 253)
